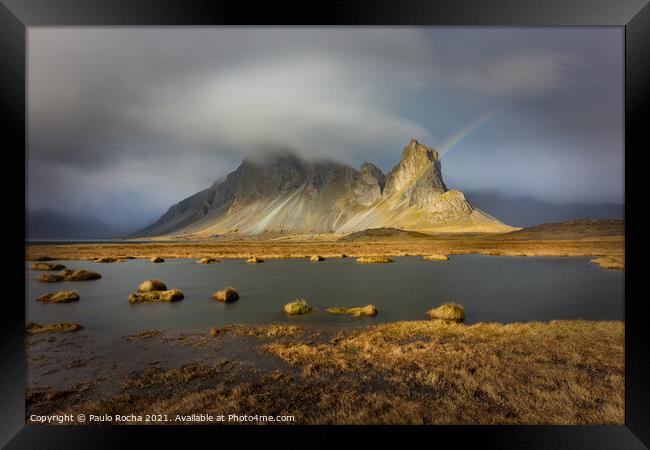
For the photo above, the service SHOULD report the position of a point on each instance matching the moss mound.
(69, 275)
(226, 295)
(435, 258)
(317, 258)
(47, 266)
(59, 297)
(368, 310)
(208, 260)
(374, 260)
(106, 259)
(152, 285)
(298, 307)
(254, 260)
(172, 295)
(157, 259)
(448, 311)
(34, 328)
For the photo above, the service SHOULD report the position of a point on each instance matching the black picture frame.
(634, 15)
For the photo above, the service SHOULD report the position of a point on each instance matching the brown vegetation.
(157, 259)
(298, 307)
(424, 372)
(316, 258)
(610, 262)
(47, 266)
(368, 310)
(172, 295)
(254, 260)
(207, 260)
(34, 328)
(374, 260)
(152, 285)
(59, 297)
(435, 258)
(106, 259)
(449, 311)
(69, 275)
(226, 295)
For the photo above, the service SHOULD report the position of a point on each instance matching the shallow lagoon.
(491, 288)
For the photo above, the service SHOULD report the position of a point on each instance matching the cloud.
(123, 122)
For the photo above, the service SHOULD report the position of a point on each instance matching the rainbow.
(466, 131)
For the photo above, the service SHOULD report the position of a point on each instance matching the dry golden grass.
(106, 259)
(435, 258)
(34, 328)
(69, 275)
(448, 311)
(610, 262)
(152, 285)
(254, 260)
(448, 245)
(298, 307)
(374, 260)
(424, 372)
(59, 297)
(317, 258)
(207, 260)
(226, 295)
(144, 335)
(47, 266)
(368, 310)
(267, 331)
(172, 295)
(157, 259)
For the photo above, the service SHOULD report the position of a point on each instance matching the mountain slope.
(283, 194)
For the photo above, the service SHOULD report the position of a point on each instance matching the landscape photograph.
(324, 226)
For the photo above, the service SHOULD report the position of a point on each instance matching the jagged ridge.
(284, 194)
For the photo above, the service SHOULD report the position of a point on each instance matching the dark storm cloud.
(125, 121)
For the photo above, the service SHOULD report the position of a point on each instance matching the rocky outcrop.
(282, 194)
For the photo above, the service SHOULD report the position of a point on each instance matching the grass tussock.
(610, 262)
(374, 260)
(298, 307)
(226, 295)
(47, 266)
(106, 259)
(147, 334)
(59, 297)
(207, 260)
(35, 328)
(254, 260)
(152, 285)
(172, 295)
(435, 258)
(69, 275)
(448, 311)
(157, 259)
(274, 330)
(368, 310)
(316, 258)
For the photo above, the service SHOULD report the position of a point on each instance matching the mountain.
(46, 224)
(528, 211)
(285, 194)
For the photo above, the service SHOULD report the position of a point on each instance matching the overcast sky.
(124, 122)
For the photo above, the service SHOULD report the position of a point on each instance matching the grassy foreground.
(422, 372)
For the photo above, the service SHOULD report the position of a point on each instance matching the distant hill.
(386, 232)
(573, 229)
(46, 224)
(527, 211)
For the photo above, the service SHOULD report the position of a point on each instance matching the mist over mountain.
(287, 194)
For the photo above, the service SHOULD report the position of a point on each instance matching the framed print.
(370, 220)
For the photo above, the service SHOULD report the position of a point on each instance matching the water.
(491, 288)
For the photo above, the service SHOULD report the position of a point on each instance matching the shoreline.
(597, 247)
(430, 372)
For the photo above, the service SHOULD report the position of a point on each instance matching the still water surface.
(491, 288)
